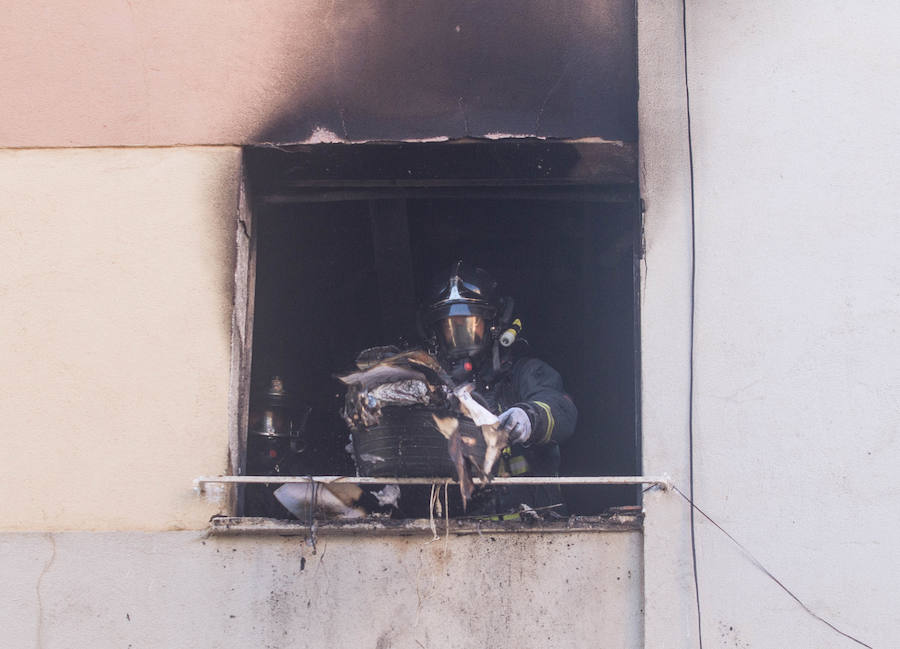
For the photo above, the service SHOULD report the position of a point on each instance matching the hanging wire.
(313, 503)
(446, 513)
(756, 562)
(687, 93)
(432, 501)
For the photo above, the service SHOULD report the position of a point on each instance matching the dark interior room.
(342, 263)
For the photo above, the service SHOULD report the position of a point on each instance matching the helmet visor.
(461, 335)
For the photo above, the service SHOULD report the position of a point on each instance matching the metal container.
(406, 443)
(276, 414)
(275, 434)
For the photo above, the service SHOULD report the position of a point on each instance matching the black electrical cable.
(766, 571)
(687, 94)
(313, 503)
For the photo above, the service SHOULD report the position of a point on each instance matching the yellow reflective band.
(550, 422)
(518, 465)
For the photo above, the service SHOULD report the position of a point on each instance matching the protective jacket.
(535, 387)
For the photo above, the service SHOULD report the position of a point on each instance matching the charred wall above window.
(308, 172)
(419, 70)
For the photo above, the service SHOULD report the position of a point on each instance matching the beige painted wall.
(116, 289)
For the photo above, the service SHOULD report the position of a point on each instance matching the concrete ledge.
(112, 589)
(617, 522)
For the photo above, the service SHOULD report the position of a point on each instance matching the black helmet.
(461, 310)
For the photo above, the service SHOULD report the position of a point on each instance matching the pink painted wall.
(164, 72)
(118, 72)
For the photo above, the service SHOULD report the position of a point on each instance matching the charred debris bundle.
(400, 402)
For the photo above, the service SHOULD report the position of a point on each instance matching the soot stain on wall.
(411, 70)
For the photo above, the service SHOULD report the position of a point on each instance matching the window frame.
(618, 518)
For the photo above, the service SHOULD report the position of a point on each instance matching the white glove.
(516, 421)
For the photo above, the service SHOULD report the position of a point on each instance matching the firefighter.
(473, 333)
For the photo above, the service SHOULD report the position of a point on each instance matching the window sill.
(627, 521)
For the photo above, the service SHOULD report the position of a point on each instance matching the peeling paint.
(322, 135)
(497, 135)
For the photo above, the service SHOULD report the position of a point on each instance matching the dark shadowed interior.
(342, 263)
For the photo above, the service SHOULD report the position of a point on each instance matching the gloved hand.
(516, 421)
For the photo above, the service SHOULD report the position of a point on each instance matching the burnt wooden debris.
(594, 171)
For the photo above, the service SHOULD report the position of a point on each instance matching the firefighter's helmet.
(461, 311)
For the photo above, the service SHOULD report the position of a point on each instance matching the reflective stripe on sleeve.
(550, 422)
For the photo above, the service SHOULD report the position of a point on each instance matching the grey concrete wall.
(797, 311)
(665, 323)
(75, 590)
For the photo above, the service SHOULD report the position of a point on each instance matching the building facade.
(768, 316)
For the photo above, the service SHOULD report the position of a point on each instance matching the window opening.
(347, 240)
